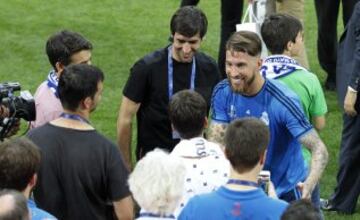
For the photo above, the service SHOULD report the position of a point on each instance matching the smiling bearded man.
(247, 94)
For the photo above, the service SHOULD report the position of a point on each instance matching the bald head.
(7, 203)
(13, 206)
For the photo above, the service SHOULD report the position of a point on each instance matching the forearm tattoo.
(319, 155)
(216, 133)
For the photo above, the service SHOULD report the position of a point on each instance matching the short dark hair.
(278, 30)
(244, 41)
(19, 161)
(62, 45)
(187, 110)
(301, 210)
(188, 21)
(18, 210)
(77, 82)
(246, 140)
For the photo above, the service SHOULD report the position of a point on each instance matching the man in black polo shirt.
(157, 76)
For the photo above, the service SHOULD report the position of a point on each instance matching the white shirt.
(206, 164)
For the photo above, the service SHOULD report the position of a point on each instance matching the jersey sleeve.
(294, 117)
(219, 105)
(318, 105)
(136, 85)
(117, 176)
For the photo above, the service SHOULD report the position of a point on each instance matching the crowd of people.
(265, 115)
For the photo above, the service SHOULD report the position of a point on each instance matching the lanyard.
(242, 182)
(171, 73)
(74, 117)
(148, 214)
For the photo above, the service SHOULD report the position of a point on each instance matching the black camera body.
(22, 106)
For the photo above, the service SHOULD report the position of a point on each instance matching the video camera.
(22, 106)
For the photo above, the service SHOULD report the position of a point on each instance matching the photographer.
(13, 107)
(4, 112)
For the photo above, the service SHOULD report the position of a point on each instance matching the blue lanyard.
(74, 117)
(242, 182)
(148, 214)
(171, 73)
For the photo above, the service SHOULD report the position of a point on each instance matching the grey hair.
(157, 182)
(13, 205)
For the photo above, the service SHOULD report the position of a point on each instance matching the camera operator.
(4, 112)
(13, 107)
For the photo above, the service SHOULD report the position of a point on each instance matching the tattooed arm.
(216, 133)
(319, 159)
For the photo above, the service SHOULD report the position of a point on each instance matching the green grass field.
(122, 31)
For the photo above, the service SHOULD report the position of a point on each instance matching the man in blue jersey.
(283, 36)
(246, 142)
(247, 94)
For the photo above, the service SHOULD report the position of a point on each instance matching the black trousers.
(231, 12)
(327, 13)
(348, 178)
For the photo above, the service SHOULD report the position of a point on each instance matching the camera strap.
(74, 117)
(242, 182)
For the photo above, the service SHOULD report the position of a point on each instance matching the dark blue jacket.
(348, 60)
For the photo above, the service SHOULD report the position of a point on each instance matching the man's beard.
(245, 88)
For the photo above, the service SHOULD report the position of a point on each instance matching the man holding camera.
(9, 131)
(4, 112)
(13, 107)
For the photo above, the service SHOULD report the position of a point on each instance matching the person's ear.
(59, 67)
(259, 63)
(206, 122)
(263, 158)
(33, 181)
(289, 46)
(87, 103)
